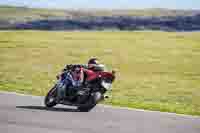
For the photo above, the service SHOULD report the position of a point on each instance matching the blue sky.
(106, 4)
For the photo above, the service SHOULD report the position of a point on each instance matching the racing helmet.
(94, 64)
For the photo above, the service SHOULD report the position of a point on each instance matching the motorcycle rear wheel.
(93, 101)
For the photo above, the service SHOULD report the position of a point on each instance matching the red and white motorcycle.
(97, 83)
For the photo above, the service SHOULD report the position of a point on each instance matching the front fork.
(61, 86)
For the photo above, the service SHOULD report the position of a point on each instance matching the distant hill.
(46, 19)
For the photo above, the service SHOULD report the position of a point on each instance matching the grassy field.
(23, 14)
(26, 14)
(156, 70)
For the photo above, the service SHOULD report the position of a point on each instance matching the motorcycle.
(86, 97)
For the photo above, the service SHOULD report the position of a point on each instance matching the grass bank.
(156, 70)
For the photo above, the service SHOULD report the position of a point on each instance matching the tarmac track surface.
(27, 114)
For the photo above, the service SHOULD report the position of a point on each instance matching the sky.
(105, 4)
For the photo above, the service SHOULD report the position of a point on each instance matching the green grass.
(156, 70)
(27, 14)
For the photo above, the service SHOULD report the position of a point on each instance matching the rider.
(75, 75)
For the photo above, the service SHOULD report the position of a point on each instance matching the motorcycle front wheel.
(50, 99)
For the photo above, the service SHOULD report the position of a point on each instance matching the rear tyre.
(93, 101)
(50, 99)
(86, 108)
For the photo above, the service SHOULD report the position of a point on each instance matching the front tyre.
(50, 99)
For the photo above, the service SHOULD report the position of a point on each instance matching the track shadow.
(55, 109)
